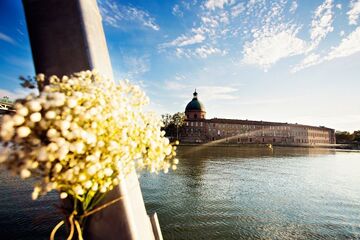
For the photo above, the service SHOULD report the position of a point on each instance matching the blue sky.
(281, 60)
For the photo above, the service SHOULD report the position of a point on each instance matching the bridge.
(6, 107)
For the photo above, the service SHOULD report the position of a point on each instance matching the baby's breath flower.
(18, 119)
(52, 133)
(57, 167)
(35, 193)
(23, 132)
(103, 189)
(108, 172)
(35, 117)
(83, 134)
(34, 105)
(91, 170)
(88, 184)
(25, 173)
(50, 115)
(42, 155)
(95, 187)
(64, 125)
(63, 195)
(71, 102)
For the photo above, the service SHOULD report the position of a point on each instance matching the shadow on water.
(20, 216)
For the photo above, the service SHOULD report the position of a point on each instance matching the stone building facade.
(198, 129)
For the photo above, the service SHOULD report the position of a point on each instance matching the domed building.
(198, 129)
(195, 109)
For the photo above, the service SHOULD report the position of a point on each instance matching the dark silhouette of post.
(67, 36)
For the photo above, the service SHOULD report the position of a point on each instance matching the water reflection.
(237, 193)
(22, 218)
(212, 152)
(226, 193)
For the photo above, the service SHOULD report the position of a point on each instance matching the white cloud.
(293, 7)
(213, 4)
(237, 9)
(209, 30)
(210, 21)
(17, 93)
(342, 33)
(179, 77)
(321, 23)
(338, 6)
(173, 85)
(210, 93)
(124, 17)
(199, 52)
(185, 40)
(269, 47)
(179, 52)
(205, 51)
(354, 12)
(6, 38)
(136, 66)
(310, 60)
(272, 35)
(176, 11)
(348, 46)
(217, 92)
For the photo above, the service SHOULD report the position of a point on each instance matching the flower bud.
(25, 173)
(23, 132)
(63, 195)
(35, 117)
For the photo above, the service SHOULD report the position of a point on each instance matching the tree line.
(6, 99)
(344, 137)
(172, 124)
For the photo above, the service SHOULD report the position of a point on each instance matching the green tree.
(167, 119)
(178, 120)
(28, 82)
(5, 99)
(344, 137)
(356, 136)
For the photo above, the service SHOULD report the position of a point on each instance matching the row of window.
(248, 127)
(194, 124)
(274, 140)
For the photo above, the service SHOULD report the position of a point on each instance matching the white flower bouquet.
(80, 136)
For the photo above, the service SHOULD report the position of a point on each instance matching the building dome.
(195, 109)
(195, 104)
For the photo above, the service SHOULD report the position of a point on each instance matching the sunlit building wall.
(198, 129)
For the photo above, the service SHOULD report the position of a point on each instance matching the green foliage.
(167, 120)
(347, 137)
(6, 99)
(178, 119)
(356, 136)
(28, 82)
(172, 123)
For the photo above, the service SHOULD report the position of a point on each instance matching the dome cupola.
(195, 109)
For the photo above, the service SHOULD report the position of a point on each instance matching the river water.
(226, 193)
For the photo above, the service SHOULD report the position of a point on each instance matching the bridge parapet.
(6, 107)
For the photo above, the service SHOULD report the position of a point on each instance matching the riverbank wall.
(259, 145)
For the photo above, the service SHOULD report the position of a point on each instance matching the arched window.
(195, 116)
